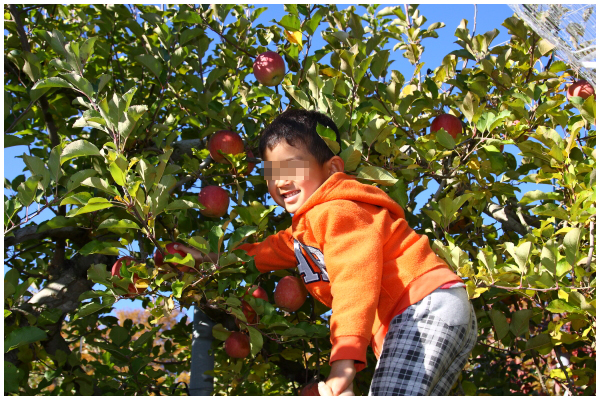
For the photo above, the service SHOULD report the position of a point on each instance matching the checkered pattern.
(426, 346)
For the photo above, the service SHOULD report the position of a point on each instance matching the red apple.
(170, 247)
(269, 68)
(237, 345)
(290, 293)
(249, 313)
(226, 141)
(258, 292)
(216, 201)
(581, 89)
(116, 270)
(450, 123)
(310, 389)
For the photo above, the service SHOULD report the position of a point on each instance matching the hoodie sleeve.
(353, 249)
(275, 252)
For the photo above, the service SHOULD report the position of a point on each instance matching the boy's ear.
(336, 164)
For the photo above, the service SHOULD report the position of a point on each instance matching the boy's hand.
(198, 256)
(339, 382)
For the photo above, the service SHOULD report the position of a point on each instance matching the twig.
(520, 287)
(16, 121)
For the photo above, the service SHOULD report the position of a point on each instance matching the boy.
(356, 254)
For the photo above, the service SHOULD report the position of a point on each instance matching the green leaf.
(118, 172)
(53, 82)
(78, 177)
(536, 195)
(541, 340)
(549, 256)
(98, 273)
(500, 323)
(256, 341)
(118, 335)
(26, 192)
(22, 336)
(214, 236)
(299, 96)
(240, 234)
(290, 22)
(12, 377)
(551, 210)
(445, 139)
(81, 83)
(377, 174)
(176, 258)
(151, 62)
(118, 224)
(520, 254)
(98, 247)
(291, 353)
(79, 199)
(78, 148)
(519, 324)
(199, 243)
(100, 184)
(496, 159)
(220, 333)
(571, 243)
(37, 167)
(87, 309)
(94, 204)
(559, 306)
(12, 140)
(182, 205)
(178, 56)
(328, 135)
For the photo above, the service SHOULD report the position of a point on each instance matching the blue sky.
(489, 16)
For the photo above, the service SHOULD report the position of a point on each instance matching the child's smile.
(293, 175)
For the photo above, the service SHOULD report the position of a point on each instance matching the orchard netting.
(569, 27)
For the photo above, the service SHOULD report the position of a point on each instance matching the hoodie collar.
(321, 194)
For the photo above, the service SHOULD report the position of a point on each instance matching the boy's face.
(293, 175)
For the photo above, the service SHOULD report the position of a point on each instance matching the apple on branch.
(269, 68)
(215, 199)
(290, 293)
(170, 248)
(237, 345)
(116, 270)
(226, 141)
(449, 122)
(581, 89)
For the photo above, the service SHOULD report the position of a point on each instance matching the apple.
(581, 89)
(237, 345)
(258, 292)
(269, 68)
(116, 270)
(170, 247)
(226, 141)
(249, 313)
(450, 123)
(215, 199)
(310, 389)
(290, 293)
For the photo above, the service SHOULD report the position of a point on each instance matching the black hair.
(299, 126)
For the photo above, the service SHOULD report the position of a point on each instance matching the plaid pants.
(427, 346)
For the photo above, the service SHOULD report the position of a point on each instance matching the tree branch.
(30, 233)
(505, 217)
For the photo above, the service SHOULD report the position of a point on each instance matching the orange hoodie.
(357, 255)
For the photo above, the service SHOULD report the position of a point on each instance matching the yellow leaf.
(563, 295)
(294, 37)
(408, 90)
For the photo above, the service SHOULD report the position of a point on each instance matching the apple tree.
(115, 105)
